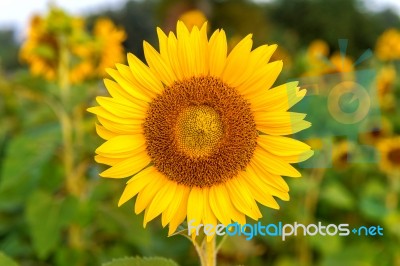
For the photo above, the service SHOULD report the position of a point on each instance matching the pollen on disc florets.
(200, 132)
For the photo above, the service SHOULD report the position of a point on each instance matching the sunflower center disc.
(200, 132)
(394, 156)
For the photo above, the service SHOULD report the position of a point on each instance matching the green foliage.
(27, 155)
(338, 196)
(303, 17)
(6, 261)
(43, 218)
(8, 50)
(141, 262)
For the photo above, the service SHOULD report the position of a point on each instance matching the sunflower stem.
(72, 177)
(63, 72)
(210, 253)
(305, 255)
(392, 198)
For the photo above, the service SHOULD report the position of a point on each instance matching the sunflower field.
(202, 132)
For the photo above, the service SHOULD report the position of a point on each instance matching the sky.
(16, 13)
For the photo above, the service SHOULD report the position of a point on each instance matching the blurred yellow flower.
(108, 39)
(87, 55)
(315, 143)
(340, 64)
(342, 153)
(388, 45)
(152, 120)
(385, 80)
(320, 63)
(376, 130)
(192, 18)
(317, 50)
(40, 50)
(390, 155)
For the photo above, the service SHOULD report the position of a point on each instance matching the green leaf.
(6, 261)
(43, 217)
(23, 165)
(338, 195)
(138, 261)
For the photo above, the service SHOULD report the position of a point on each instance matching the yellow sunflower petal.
(198, 52)
(261, 80)
(173, 56)
(298, 158)
(160, 202)
(274, 185)
(158, 65)
(149, 191)
(145, 79)
(278, 99)
(185, 52)
(195, 206)
(261, 55)
(274, 164)
(128, 167)
(137, 183)
(203, 52)
(221, 204)
(132, 119)
(120, 128)
(121, 95)
(242, 198)
(127, 73)
(280, 123)
(163, 44)
(105, 133)
(121, 144)
(173, 207)
(237, 61)
(259, 195)
(273, 180)
(119, 108)
(282, 146)
(180, 215)
(208, 215)
(107, 160)
(128, 86)
(257, 59)
(218, 50)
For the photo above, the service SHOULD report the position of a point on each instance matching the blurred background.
(54, 208)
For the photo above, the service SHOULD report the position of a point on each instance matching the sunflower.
(109, 39)
(342, 154)
(340, 64)
(192, 18)
(375, 130)
(200, 131)
(388, 45)
(390, 155)
(317, 50)
(40, 49)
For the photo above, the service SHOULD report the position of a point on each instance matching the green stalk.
(72, 182)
